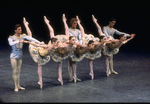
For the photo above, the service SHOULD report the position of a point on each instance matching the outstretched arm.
(26, 24)
(80, 26)
(131, 37)
(65, 25)
(49, 27)
(37, 45)
(97, 25)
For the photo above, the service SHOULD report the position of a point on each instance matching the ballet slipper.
(16, 89)
(41, 85)
(75, 79)
(107, 73)
(61, 81)
(92, 75)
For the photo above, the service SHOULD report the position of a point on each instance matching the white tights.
(16, 68)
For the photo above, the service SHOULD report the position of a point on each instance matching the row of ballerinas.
(74, 45)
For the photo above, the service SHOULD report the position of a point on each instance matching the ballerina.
(78, 54)
(112, 45)
(40, 52)
(96, 45)
(110, 49)
(68, 44)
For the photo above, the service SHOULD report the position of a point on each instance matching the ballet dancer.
(40, 53)
(113, 44)
(96, 45)
(109, 55)
(68, 44)
(110, 31)
(79, 52)
(16, 42)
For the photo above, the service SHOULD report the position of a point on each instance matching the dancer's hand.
(45, 46)
(21, 41)
(26, 41)
(78, 20)
(94, 19)
(43, 43)
(64, 18)
(25, 22)
(132, 36)
(46, 20)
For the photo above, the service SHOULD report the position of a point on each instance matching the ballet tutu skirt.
(109, 52)
(39, 55)
(78, 54)
(92, 54)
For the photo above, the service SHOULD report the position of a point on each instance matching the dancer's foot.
(41, 85)
(92, 75)
(61, 81)
(16, 89)
(114, 72)
(76, 79)
(21, 88)
(107, 73)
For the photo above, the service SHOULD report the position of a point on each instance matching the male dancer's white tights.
(16, 68)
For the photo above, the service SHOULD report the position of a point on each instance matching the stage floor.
(132, 84)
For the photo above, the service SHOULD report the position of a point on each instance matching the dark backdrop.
(131, 18)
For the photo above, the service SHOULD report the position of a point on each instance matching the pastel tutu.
(37, 57)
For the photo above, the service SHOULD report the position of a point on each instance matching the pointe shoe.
(16, 89)
(41, 85)
(61, 81)
(75, 80)
(107, 73)
(92, 75)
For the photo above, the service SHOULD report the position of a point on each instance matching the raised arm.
(98, 26)
(26, 24)
(49, 27)
(80, 26)
(65, 25)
